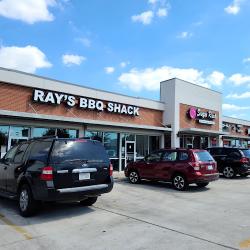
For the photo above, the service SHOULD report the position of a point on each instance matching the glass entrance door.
(129, 151)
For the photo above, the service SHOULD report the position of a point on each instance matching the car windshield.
(78, 150)
(203, 156)
(246, 152)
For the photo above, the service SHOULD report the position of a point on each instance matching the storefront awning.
(236, 137)
(196, 131)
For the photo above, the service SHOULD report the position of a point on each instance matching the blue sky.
(130, 46)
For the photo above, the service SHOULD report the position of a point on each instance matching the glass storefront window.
(154, 143)
(141, 145)
(94, 135)
(4, 132)
(111, 144)
(20, 132)
(39, 132)
(67, 133)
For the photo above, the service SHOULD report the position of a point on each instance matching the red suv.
(180, 166)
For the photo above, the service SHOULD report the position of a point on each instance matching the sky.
(130, 46)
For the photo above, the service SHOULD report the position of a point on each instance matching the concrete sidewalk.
(119, 176)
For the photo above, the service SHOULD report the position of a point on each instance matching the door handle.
(5, 167)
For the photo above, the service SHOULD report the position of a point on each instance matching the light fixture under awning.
(197, 131)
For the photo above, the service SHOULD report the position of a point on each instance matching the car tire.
(26, 203)
(228, 172)
(179, 182)
(244, 175)
(134, 177)
(201, 185)
(89, 201)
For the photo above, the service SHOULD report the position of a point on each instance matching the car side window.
(10, 154)
(20, 153)
(39, 151)
(154, 157)
(183, 156)
(169, 156)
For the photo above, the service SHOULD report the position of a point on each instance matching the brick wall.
(19, 98)
(186, 122)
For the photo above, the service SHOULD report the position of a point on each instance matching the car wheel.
(89, 201)
(134, 177)
(202, 184)
(243, 175)
(228, 172)
(179, 182)
(26, 204)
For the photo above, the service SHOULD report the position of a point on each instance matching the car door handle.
(5, 167)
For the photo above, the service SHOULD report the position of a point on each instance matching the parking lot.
(145, 216)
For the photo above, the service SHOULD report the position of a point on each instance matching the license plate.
(84, 176)
(209, 167)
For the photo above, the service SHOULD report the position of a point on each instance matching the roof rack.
(43, 137)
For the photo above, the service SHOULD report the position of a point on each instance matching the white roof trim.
(236, 137)
(235, 120)
(34, 81)
(79, 120)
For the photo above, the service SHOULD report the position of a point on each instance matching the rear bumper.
(78, 193)
(205, 178)
(244, 169)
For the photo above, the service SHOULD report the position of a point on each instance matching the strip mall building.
(187, 115)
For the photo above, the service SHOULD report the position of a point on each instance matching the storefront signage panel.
(203, 117)
(56, 98)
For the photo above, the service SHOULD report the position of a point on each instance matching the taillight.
(47, 174)
(110, 169)
(195, 165)
(244, 160)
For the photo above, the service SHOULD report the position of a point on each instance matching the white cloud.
(27, 59)
(239, 79)
(162, 12)
(28, 11)
(150, 78)
(185, 35)
(84, 41)
(234, 7)
(124, 64)
(216, 78)
(239, 96)
(232, 107)
(152, 1)
(246, 60)
(144, 18)
(70, 59)
(109, 70)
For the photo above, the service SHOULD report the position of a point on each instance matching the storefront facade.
(187, 116)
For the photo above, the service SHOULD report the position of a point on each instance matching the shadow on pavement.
(47, 211)
(167, 187)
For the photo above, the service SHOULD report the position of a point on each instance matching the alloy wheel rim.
(24, 200)
(228, 172)
(179, 182)
(133, 177)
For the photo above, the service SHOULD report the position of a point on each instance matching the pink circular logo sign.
(192, 113)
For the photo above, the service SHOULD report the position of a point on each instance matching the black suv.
(232, 161)
(52, 169)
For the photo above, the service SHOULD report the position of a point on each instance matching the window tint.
(39, 151)
(246, 152)
(183, 156)
(67, 150)
(10, 154)
(20, 153)
(154, 157)
(170, 156)
(203, 156)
